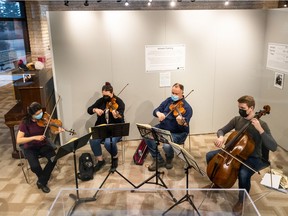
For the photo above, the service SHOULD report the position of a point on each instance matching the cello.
(223, 168)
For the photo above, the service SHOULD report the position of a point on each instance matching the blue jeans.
(178, 138)
(110, 147)
(245, 174)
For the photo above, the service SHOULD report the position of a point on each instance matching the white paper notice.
(165, 79)
(164, 57)
(277, 57)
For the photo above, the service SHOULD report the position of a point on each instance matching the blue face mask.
(39, 116)
(174, 97)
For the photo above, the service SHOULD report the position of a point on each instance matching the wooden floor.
(19, 198)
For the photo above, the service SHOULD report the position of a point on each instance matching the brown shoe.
(237, 208)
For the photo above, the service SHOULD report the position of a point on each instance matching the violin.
(54, 124)
(112, 105)
(223, 168)
(177, 108)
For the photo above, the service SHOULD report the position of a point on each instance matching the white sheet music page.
(266, 180)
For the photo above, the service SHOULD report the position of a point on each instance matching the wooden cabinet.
(40, 89)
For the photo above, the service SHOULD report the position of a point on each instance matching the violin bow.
(51, 115)
(122, 89)
(119, 93)
(240, 161)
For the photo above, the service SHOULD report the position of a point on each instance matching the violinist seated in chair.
(248, 126)
(174, 114)
(109, 110)
(36, 144)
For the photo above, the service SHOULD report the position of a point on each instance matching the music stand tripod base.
(110, 131)
(65, 149)
(151, 133)
(190, 163)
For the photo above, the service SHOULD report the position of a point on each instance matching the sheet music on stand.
(186, 157)
(147, 130)
(110, 130)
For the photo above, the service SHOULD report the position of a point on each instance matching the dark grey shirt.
(260, 140)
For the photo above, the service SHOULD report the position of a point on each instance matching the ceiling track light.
(149, 2)
(126, 3)
(86, 3)
(173, 3)
(66, 3)
(119, 0)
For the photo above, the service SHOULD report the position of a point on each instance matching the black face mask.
(243, 113)
(106, 98)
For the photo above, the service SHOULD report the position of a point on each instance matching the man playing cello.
(260, 134)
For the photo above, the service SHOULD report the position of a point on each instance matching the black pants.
(32, 155)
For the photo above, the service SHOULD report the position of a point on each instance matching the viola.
(223, 168)
(54, 124)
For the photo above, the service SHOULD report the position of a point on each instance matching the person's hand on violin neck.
(181, 121)
(60, 130)
(115, 114)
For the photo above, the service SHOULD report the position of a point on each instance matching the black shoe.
(99, 165)
(169, 164)
(44, 188)
(114, 163)
(152, 167)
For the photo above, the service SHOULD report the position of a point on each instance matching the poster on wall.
(277, 57)
(165, 79)
(164, 58)
(279, 80)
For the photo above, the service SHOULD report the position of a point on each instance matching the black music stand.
(158, 135)
(190, 163)
(109, 131)
(72, 146)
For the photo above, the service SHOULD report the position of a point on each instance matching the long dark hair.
(31, 110)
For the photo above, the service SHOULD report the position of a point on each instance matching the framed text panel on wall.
(164, 57)
(277, 57)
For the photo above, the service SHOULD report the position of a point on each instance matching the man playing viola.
(174, 115)
(109, 110)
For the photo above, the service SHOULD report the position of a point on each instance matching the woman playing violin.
(174, 115)
(37, 144)
(259, 132)
(109, 110)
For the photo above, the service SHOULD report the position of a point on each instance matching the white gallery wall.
(276, 32)
(224, 60)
